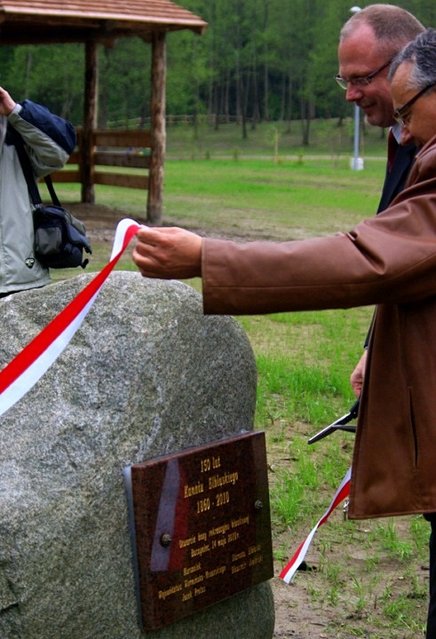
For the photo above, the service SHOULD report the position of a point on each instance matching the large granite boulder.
(146, 375)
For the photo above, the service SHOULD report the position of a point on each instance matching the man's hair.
(393, 26)
(421, 52)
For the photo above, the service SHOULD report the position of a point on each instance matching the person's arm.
(389, 258)
(358, 374)
(48, 138)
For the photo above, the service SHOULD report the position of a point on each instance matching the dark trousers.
(431, 618)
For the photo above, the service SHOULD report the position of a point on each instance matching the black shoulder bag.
(60, 238)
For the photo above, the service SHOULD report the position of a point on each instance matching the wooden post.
(89, 123)
(158, 129)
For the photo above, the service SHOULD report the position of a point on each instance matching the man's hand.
(358, 374)
(6, 102)
(168, 253)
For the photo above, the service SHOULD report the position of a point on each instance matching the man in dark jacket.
(368, 42)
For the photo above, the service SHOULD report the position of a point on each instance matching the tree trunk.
(307, 109)
(255, 85)
(266, 92)
(289, 105)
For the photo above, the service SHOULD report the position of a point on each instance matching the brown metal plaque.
(200, 525)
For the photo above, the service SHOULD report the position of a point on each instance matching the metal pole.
(357, 162)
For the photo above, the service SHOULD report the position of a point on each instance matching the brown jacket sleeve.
(388, 258)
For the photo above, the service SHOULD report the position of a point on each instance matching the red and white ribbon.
(25, 370)
(291, 567)
(22, 373)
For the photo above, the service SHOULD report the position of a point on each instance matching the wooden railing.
(126, 149)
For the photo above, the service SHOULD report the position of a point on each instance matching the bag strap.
(50, 187)
(30, 178)
(28, 172)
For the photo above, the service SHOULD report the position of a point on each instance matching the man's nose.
(353, 93)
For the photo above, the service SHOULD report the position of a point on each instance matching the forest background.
(259, 61)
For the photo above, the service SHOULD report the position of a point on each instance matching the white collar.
(396, 131)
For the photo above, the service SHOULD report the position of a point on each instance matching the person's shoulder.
(31, 112)
(424, 167)
(428, 152)
(60, 130)
(28, 107)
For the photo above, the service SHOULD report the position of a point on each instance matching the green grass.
(304, 361)
(259, 196)
(273, 139)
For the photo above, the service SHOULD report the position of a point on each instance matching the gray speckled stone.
(147, 374)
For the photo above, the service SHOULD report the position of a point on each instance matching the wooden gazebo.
(95, 22)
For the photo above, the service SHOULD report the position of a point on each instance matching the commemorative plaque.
(200, 526)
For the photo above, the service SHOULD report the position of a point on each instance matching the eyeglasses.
(360, 81)
(402, 115)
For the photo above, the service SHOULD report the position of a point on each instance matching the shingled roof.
(39, 21)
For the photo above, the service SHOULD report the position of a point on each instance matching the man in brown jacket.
(388, 260)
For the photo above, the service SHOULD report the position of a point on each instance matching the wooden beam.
(74, 157)
(121, 179)
(89, 122)
(66, 176)
(158, 129)
(127, 137)
(122, 159)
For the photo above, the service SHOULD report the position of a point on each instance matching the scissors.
(338, 424)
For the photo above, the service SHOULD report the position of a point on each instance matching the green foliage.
(259, 60)
(124, 83)
(51, 75)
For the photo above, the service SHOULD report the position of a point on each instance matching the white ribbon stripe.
(291, 567)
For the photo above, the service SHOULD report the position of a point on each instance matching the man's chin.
(374, 119)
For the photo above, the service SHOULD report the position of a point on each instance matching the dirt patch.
(349, 584)
(101, 221)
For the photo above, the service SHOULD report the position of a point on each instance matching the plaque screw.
(258, 504)
(165, 540)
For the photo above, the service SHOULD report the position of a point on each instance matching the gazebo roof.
(48, 21)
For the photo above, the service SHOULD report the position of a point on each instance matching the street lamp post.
(356, 161)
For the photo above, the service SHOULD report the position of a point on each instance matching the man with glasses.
(388, 260)
(404, 114)
(368, 42)
(413, 76)
(372, 35)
